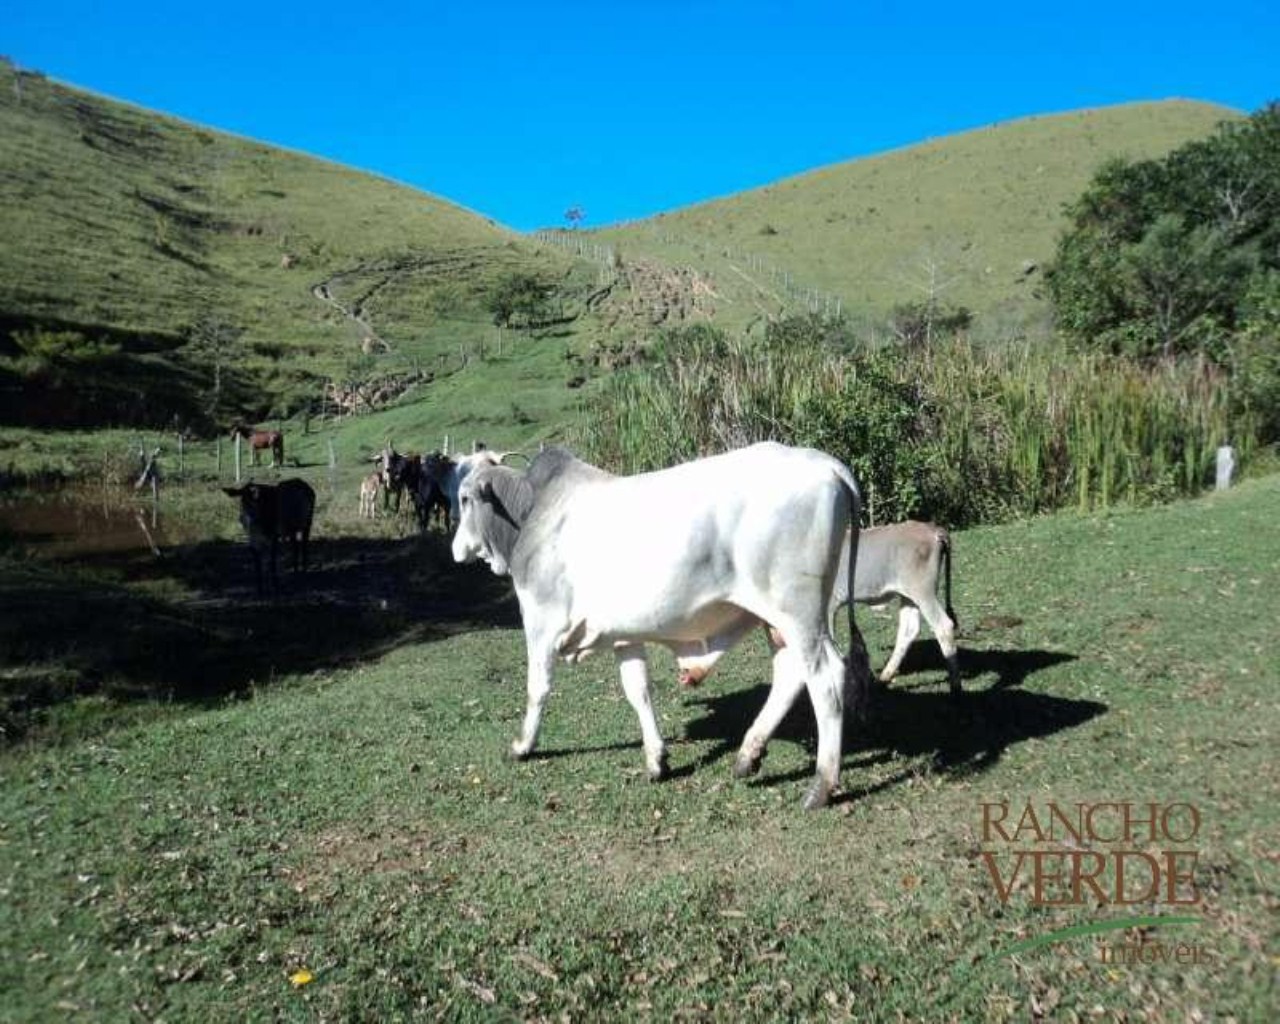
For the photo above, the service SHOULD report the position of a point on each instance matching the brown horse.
(260, 439)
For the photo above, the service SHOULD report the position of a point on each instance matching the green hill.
(170, 240)
(975, 215)
(238, 278)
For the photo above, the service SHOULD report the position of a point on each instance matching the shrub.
(48, 346)
(958, 433)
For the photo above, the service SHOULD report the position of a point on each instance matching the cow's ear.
(233, 492)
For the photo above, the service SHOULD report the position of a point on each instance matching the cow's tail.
(857, 665)
(944, 544)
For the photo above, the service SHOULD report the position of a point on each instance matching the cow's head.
(493, 503)
(250, 497)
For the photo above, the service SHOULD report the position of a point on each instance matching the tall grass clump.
(1041, 427)
(703, 392)
(957, 432)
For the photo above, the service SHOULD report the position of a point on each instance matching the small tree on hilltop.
(575, 215)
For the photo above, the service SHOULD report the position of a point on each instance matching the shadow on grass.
(189, 627)
(957, 737)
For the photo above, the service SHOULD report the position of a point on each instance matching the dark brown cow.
(269, 512)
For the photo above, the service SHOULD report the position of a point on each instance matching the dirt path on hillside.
(355, 315)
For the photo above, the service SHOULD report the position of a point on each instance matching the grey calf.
(907, 561)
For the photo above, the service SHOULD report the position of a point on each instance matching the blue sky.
(521, 110)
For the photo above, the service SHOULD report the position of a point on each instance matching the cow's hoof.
(746, 766)
(519, 752)
(819, 796)
(661, 770)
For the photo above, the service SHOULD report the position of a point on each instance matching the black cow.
(431, 500)
(269, 512)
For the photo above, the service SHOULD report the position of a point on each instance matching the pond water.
(60, 523)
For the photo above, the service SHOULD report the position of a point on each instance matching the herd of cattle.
(694, 558)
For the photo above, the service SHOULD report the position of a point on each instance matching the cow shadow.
(190, 627)
(909, 723)
(1010, 667)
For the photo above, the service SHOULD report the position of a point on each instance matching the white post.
(1226, 466)
(237, 458)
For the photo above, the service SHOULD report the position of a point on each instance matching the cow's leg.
(634, 670)
(908, 630)
(824, 677)
(819, 664)
(788, 681)
(945, 631)
(542, 659)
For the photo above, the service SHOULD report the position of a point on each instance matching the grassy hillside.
(204, 257)
(122, 223)
(184, 854)
(976, 214)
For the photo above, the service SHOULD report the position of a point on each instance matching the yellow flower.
(300, 978)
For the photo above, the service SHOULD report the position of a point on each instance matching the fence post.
(182, 462)
(332, 459)
(151, 475)
(237, 458)
(1226, 466)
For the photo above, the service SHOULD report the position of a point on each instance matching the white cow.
(692, 557)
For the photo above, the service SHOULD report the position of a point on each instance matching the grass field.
(231, 794)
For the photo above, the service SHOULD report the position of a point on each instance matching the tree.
(932, 273)
(212, 345)
(575, 215)
(1180, 285)
(1160, 253)
(519, 296)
